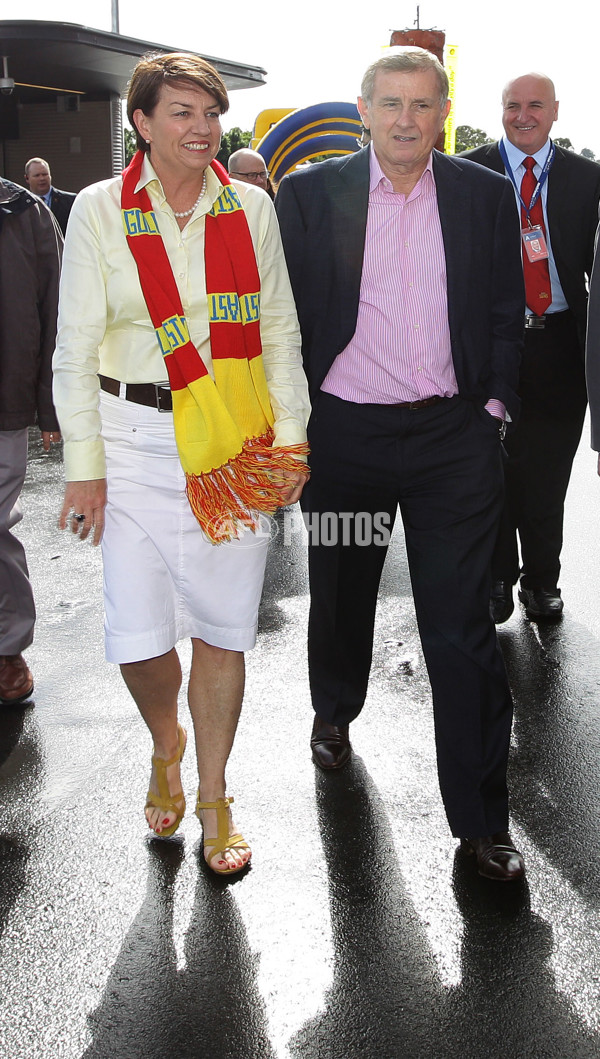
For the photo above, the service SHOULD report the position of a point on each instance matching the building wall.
(77, 145)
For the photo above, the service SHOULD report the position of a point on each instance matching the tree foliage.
(130, 144)
(467, 138)
(563, 141)
(232, 141)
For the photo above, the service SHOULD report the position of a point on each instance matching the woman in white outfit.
(182, 401)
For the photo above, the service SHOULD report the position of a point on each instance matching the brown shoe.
(330, 744)
(16, 681)
(497, 858)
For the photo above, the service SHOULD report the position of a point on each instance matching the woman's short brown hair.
(173, 68)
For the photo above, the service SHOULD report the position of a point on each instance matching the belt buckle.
(535, 323)
(160, 392)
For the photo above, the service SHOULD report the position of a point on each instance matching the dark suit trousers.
(442, 466)
(540, 451)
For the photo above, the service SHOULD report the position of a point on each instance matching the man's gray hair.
(408, 60)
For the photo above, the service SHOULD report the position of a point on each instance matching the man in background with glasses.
(249, 166)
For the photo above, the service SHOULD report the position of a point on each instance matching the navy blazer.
(60, 204)
(572, 209)
(322, 212)
(592, 352)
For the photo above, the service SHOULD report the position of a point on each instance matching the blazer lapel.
(494, 158)
(454, 205)
(558, 194)
(350, 207)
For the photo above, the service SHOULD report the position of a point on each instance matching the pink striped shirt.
(401, 349)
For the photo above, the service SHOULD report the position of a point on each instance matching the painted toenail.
(166, 821)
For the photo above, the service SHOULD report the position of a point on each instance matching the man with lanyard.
(557, 193)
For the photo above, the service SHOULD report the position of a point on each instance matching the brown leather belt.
(155, 395)
(427, 402)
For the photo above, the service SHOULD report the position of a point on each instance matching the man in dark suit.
(30, 256)
(592, 351)
(39, 180)
(404, 264)
(542, 447)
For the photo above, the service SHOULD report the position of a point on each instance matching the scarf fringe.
(226, 499)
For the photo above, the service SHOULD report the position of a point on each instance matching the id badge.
(534, 242)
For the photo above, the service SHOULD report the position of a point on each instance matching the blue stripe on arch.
(334, 126)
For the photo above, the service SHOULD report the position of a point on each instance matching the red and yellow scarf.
(223, 429)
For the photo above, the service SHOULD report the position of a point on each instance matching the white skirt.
(163, 579)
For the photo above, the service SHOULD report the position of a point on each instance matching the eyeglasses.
(264, 174)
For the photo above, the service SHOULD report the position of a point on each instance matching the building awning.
(64, 57)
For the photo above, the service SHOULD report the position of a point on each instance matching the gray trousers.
(17, 609)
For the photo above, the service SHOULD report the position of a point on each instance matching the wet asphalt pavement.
(359, 932)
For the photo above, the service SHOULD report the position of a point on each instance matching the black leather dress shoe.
(496, 856)
(542, 603)
(501, 602)
(330, 745)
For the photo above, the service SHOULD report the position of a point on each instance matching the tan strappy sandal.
(224, 841)
(164, 800)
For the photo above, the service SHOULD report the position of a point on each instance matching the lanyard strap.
(542, 180)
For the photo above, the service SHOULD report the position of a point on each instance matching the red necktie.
(538, 292)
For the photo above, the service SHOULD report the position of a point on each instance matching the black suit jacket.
(60, 204)
(592, 352)
(322, 212)
(572, 208)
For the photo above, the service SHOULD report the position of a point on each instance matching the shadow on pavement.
(507, 1003)
(386, 999)
(210, 1007)
(16, 843)
(554, 672)
(385, 990)
(13, 720)
(13, 875)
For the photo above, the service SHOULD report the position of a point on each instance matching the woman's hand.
(87, 499)
(291, 489)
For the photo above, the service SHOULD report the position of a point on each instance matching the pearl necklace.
(188, 213)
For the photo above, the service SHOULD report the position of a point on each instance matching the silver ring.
(79, 518)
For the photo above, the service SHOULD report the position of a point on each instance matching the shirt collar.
(516, 156)
(377, 175)
(148, 176)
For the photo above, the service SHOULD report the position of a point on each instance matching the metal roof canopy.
(65, 57)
